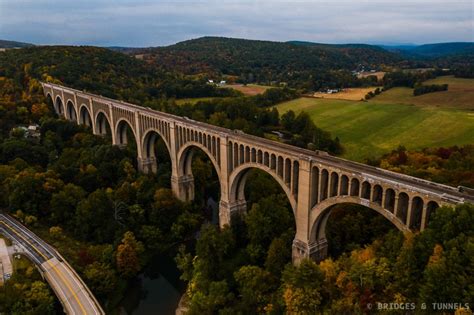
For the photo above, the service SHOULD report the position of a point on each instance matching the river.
(156, 291)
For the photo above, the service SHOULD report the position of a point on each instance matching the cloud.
(152, 23)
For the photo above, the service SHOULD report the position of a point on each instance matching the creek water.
(156, 291)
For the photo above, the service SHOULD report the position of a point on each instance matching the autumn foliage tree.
(128, 255)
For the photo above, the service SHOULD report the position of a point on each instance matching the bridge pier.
(183, 187)
(147, 165)
(230, 210)
(316, 251)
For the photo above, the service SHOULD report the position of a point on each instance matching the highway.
(73, 293)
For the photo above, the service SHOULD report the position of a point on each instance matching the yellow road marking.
(51, 265)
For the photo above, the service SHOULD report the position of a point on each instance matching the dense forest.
(452, 166)
(103, 72)
(87, 199)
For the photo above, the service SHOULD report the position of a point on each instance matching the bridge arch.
(148, 143)
(59, 105)
(122, 126)
(71, 111)
(238, 178)
(321, 212)
(184, 168)
(102, 124)
(85, 117)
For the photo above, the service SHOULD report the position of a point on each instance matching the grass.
(460, 94)
(249, 89)
(370, 129)
(352, 94)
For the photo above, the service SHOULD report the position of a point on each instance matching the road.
(73, 293)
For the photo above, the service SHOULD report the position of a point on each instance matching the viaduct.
(313, 181)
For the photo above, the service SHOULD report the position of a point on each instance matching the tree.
(256, 287)
(64, 203)
(38, 299)
(302, 288)
(288, 119)
(101, 278)
(279, 254)
(267, 219)
(128, 257)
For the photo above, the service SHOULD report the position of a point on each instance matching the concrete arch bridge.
(312, 181)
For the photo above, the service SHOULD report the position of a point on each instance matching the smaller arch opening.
(389, 200)
(334, 184)
(273, 162)
(354, 187)
(402, 207)
(295, 178)
(280, 167)
(416, 212)
(344, 185)
(247, 154)
(314, 186)
(287, 172)
(365, 190)
(236, 155)
(377, 195)
(324, 184)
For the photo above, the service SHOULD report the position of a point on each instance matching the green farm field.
(460, 94)
(370, 129)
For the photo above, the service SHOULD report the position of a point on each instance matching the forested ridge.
(303, 66)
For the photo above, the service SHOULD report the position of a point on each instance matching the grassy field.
(353, 94)
(369, 129)
(378, 74)
(249, 89)
(460, 95)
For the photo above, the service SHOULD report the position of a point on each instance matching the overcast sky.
(155, 23)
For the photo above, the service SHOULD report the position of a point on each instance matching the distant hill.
(123, 49)
(266, 61)
(434, 50)
(13, 44)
